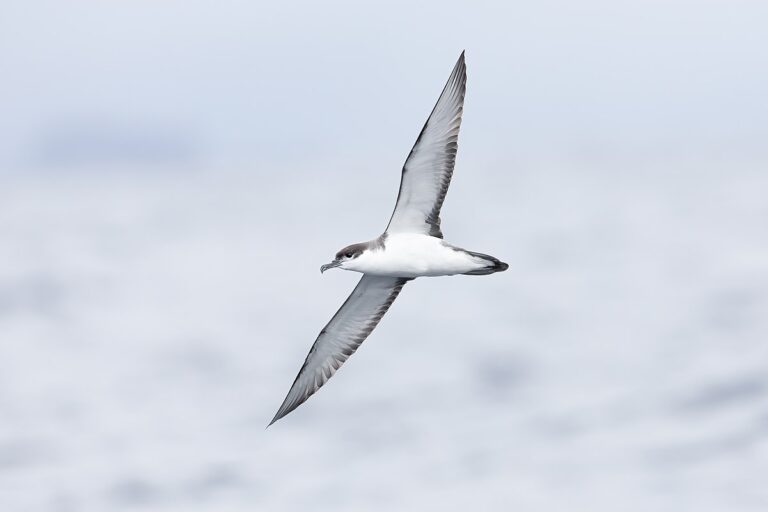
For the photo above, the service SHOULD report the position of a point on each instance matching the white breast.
(414, 255)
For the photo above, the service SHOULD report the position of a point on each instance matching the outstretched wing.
(427, 171)
(338, 340)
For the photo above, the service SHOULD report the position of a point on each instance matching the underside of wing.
(338, 340)
(427, 171)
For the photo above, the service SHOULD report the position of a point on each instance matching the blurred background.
(173, 174)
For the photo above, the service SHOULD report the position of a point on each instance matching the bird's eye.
(348, 254)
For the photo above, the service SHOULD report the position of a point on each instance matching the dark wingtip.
(281, 412)
(277, 417)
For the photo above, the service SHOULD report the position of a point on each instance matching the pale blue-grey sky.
(276, 82)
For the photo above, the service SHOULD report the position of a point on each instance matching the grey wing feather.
(428, 169)
(338, 340)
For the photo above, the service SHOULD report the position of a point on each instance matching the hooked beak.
(333, 264)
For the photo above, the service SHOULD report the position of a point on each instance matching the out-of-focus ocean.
(173, 174)
(151, 326)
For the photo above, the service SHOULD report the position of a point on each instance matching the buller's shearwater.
(412, 246)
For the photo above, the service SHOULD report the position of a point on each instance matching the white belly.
(414, 255)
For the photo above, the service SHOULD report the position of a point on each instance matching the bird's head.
(345, 258)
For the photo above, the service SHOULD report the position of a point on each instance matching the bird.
(411, 246)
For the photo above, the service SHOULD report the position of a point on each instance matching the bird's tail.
(492, 266)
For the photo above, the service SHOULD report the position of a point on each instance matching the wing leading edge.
(429, 167)
(338, 340)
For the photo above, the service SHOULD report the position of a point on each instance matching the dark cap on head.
(352, 251)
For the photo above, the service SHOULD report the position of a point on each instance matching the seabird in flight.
(412, 246)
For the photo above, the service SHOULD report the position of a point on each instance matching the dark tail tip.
(496, 265)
